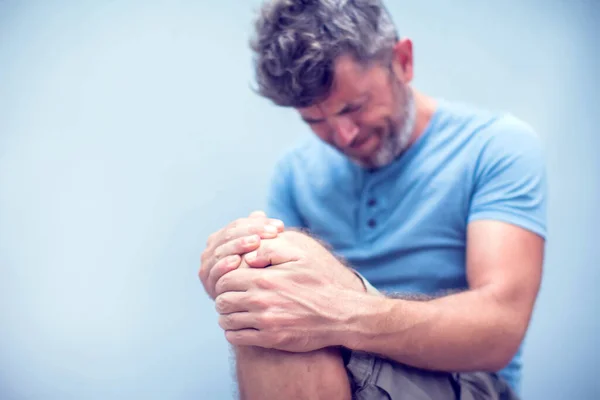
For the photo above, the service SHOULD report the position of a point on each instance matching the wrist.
(358, 283)
(363, 284)
(370, 319)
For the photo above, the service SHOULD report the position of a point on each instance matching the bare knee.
(272, 374)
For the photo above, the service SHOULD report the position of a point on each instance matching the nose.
(345, 131)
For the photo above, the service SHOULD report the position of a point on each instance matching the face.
(369, 114)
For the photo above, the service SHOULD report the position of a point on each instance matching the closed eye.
(350, 109)
(312, 121)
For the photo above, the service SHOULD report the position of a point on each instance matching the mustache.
(361, 138)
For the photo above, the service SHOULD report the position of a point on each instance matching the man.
(439, 206)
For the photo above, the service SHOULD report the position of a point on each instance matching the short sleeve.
(510, 178)
(280, 199)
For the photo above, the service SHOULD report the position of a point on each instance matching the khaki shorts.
(374, 378)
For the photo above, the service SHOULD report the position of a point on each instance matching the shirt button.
(372, 223)
(371, 202)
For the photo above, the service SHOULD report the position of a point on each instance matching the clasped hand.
(303, 301)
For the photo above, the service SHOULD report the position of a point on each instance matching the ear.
(403, 60)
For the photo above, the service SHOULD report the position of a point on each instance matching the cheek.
(321, 131)
(375, 118)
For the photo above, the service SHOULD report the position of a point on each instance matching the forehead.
(351, 81)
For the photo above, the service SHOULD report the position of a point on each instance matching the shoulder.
(509, 173)
(488, 127)
(487, 137)
(510, 142)
(512, 135)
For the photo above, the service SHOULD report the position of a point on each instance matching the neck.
(425, 108)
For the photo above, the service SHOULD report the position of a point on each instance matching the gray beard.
(396, 143)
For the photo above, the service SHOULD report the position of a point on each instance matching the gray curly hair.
(297, 41)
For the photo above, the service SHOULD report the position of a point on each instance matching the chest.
(402, 231)
(418, 211)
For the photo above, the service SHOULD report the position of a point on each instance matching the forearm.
(467, 331)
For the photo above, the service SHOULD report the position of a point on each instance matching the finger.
(237, 246)
(254, 261)
(222, 267)
(258, 214)
(204, 264)
(243, 263)
(239, 280)
(232, 302)
(266, 228)
(248, 337)
(272, 221)
(272, 252)
(237, 321)
(262, 226)
(277, 223)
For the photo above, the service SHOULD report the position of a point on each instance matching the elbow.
(498, 358)
(505, 333)
(505, 348)
(499, 361)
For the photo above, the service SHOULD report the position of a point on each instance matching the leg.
(376, 378)
(271, 374)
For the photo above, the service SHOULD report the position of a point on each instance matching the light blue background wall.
(128, 133)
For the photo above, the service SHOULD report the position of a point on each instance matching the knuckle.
(254, 229)
(203, 272)
(229, 234)
(222, 304)
(279, 339)
(218, 253)
(233, 337)
(239, 244)
(230, 263)
(263, 282)
(222, 285)
(204, 256)
(225, 321)
(264, 251)
(215, 269)
(249, 227)
(259, 302)
(245, 226)
(211, 239)
(219, 267)
(266, 320)
(273, 251)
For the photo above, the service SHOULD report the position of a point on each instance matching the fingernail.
(250, 257)
(276, 223)
(270, 229)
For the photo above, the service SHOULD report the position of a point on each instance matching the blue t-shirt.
(403, 227)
